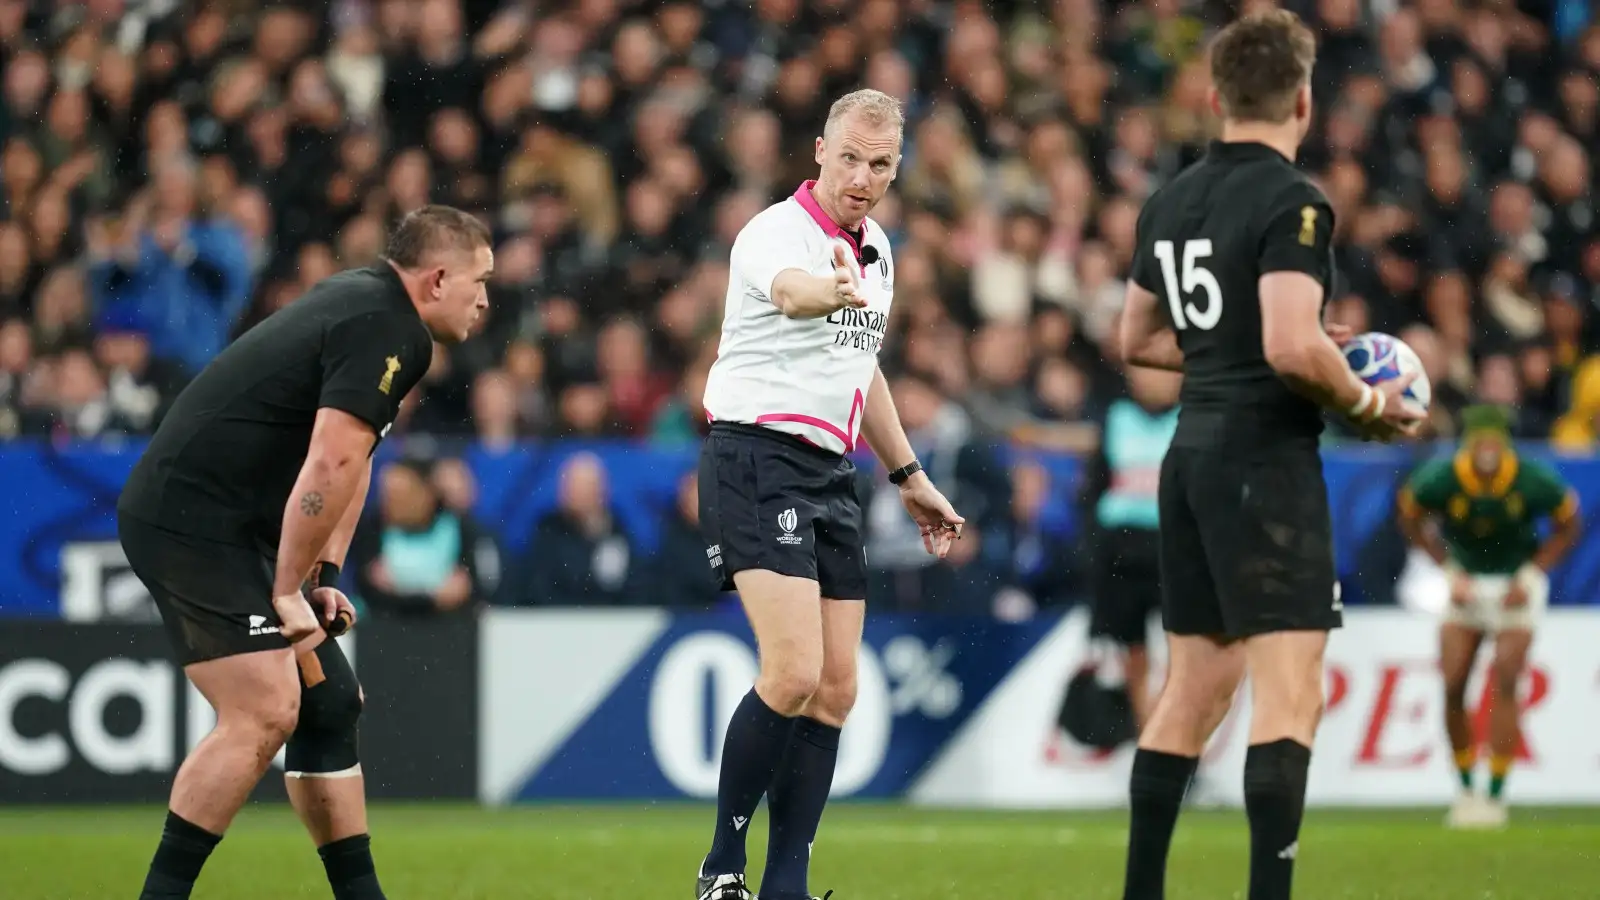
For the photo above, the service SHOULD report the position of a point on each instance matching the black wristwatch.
(899, 476)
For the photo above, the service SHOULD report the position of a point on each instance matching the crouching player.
(1488, 502)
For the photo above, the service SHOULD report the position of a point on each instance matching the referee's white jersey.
(806, 377)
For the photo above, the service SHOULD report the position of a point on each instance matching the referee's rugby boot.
(722, 887)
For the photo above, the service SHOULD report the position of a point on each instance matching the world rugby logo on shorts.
(788, 521)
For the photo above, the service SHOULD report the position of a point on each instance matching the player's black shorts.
(1126, 578)
(771, 501)
(215, 598)
(1246, 542)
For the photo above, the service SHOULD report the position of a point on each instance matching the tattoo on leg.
(311, 504)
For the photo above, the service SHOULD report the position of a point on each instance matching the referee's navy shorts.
(769, 500)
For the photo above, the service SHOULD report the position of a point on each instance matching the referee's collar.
(1243, 150)
(808, 202)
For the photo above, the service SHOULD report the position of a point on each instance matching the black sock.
(348, 862)
(754, 744)
(1275, 801)
(796, 799)
(1155, 794)
(178, 860)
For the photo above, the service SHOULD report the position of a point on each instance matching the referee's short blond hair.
(873, 107)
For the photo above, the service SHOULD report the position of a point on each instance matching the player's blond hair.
(872, 107)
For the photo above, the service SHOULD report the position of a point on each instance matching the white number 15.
(1195, 277)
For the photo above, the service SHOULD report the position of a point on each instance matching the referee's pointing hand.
(846, 284)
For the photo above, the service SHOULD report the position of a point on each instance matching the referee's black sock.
(756, 739)
(1275, 801)
(1155, 795)
(796, 799)
(178, 860)
(351, 874)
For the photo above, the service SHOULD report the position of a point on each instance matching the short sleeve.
(1429, 487)
(1548, 494)
(763, 249)
(370, 362)
(1143, 272)
(1299, 235)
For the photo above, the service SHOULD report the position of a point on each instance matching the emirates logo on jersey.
(861, 329)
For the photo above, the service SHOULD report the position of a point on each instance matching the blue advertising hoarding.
(55, 498)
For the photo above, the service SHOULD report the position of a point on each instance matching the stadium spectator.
(679, 574)
(581, 555)
(960, 457)
(183, 178)
(1040, 573)
(417, 556)
(182, 277)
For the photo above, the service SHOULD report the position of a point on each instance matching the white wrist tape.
(1360, 407)
(1369, 407)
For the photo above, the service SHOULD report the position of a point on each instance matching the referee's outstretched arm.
(800, 295)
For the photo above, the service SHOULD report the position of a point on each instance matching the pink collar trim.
(808, 202)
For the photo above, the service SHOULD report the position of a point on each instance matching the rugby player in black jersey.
(1231, 272)
(239, 514)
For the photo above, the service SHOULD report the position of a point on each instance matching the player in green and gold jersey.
(1487, 502)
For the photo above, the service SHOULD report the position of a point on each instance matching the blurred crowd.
(171, 173)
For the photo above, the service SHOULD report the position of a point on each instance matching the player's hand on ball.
(1393, 416)
(933, 513)
(337, 613)
(846, 283)
(1399, 413)
(294, 614)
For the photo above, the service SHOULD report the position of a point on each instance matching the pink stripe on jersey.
(846, 435)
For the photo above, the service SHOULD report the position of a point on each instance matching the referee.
(796, 387)
(252, 487)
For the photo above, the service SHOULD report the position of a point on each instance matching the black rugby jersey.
(1204, 241)
(225, 458)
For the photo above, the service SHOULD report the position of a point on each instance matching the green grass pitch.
(865, 852)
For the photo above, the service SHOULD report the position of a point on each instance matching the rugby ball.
(1376, 357)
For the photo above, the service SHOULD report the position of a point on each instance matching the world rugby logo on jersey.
(788, 521)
